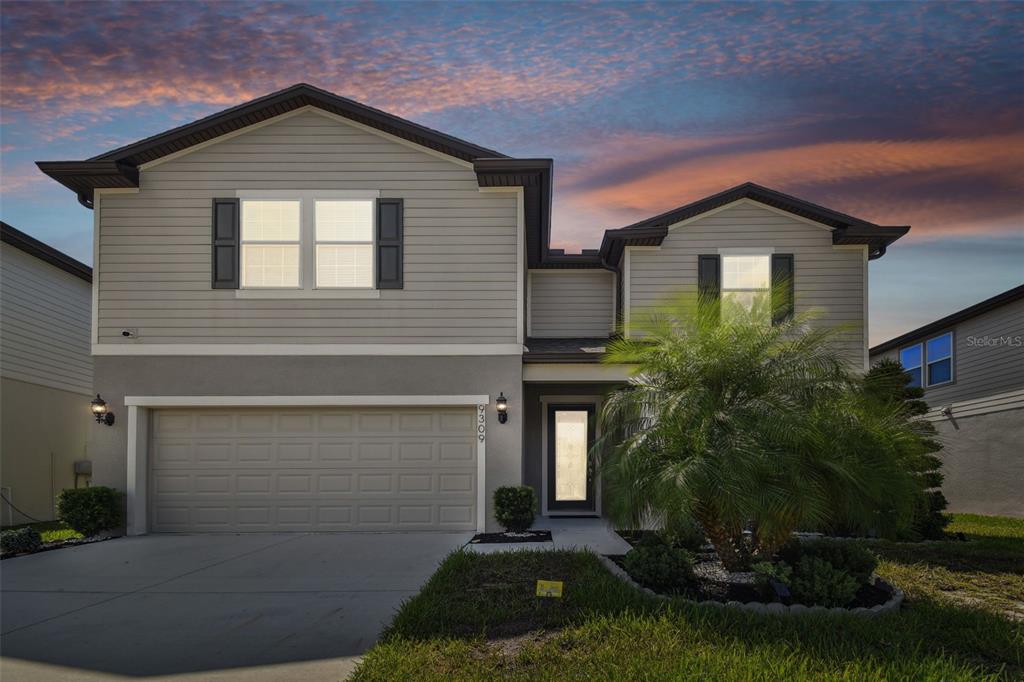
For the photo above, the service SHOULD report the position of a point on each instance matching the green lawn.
(52, 531)
(478, 618)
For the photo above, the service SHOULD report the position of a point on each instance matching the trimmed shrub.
(817, 582)
(765, 572)
(887, 381)
(20, 540)
(90, 510)
(851, 557)
(658, 566)
(515, 507)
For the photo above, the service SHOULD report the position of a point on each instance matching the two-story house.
(313, 315)
(970, 365)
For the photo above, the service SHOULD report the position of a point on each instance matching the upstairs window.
(930, 363)
(939, 356)
(306, 242)
(746, 285)
(271, 244)
(910, 358)
(344, 244)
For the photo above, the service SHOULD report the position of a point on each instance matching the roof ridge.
(276, 97)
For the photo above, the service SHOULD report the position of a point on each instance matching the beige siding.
(571, 303)
(827, 280)
(45, 315)
(980, 368)
(460, 245)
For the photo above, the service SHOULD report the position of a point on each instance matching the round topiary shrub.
(659, 566)
(515, 507)
(19, 540)
(90, 510)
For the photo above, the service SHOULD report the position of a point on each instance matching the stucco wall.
(44, 430)
(117, 377)
(984, 463)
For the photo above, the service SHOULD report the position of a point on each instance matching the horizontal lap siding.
(460, 245)
(980, 369)
(827, 280)
(44, 323)
(571, 303)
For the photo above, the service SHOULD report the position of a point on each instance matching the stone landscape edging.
(892, 604)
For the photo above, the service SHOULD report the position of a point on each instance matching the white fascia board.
(290, 349)
(305, 400)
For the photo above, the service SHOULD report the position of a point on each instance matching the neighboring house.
(46, 374)
(308, 313)
(971, 366)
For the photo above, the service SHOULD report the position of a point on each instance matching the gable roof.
(845, 229)
(44, 252)
(1014, 294)
(119, 167)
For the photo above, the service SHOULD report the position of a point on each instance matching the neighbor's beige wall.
(827, 279)
(983, 463)
(44, 431)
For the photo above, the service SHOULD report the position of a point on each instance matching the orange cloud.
(862, 178)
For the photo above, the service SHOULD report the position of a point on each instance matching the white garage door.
(312, 469)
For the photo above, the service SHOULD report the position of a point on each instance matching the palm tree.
(745, 426)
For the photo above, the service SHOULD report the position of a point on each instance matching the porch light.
(99, 409)
(501, 404)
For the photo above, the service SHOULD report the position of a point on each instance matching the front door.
(571, 430)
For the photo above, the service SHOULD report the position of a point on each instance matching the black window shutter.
(782, 287)
(709, 285)
(390, 238)
(226, 234)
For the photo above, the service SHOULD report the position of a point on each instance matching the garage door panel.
(296, 469)
(237, 517)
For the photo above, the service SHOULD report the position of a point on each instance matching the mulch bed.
(504, 538)
(705, 588)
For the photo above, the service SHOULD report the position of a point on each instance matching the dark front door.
(571, 430)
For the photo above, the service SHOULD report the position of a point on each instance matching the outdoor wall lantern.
(99, 409)
(501, 404)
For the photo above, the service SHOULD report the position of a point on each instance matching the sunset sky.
(898, 113)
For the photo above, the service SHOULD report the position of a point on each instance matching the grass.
(478, 618)
(52, 531)
(985, 572)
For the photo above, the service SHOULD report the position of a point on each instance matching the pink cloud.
(862, 178)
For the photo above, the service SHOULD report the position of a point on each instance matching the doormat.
(525, 536)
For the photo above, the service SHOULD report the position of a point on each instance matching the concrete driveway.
(247, 607)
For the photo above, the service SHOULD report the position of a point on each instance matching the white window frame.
(328, 242)
(307, 244)
(242, 243)
(763, 252)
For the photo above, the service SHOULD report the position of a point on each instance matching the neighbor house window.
(271, 244)
(344, 244)
(307, 241)
(910, 358)
(939, 358)
(746, 282)
(929, 363)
